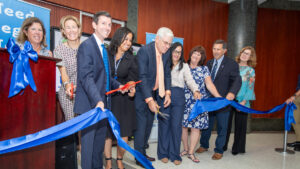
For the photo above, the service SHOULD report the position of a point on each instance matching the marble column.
(241, 25)
(133, 16)
(241, 30)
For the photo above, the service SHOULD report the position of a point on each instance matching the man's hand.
(197, 95)
(153, 106)
(101, 105)
(230, 96)
(167, 101)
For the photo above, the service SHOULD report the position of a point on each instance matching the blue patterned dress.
(247, 89)
(201, 122)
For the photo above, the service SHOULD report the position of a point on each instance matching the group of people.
(168, 86)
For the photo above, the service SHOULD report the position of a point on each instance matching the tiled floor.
(259, 154)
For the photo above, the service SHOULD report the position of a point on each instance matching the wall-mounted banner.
(12, 15)
(151, 37)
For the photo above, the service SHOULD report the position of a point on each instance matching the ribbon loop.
(21, 74)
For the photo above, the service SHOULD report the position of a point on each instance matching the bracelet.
(64, 84)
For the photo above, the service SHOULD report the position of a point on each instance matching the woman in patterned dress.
(202, 77)
(67, 51)
(247, 62)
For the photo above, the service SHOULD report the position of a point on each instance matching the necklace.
(70, 46)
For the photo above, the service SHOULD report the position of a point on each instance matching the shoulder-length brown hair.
(26, 24)
(201, 50)
(252, 61)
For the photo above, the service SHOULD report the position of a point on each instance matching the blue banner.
(70, 127)
(213, 104)
(12, 15)
(150, 37)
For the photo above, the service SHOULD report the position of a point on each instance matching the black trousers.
(240, 130)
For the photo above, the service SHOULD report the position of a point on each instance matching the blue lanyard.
(117, 63)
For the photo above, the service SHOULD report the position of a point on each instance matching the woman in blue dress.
(202, 77)
(247, 62)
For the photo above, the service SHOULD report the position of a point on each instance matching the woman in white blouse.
(180, 75)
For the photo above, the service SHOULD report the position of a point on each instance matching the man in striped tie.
(226, 77)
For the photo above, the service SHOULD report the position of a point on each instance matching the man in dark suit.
(226, 77)
(154, 90)
(93, 80)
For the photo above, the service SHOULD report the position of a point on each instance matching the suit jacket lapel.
(221, 68)
(152, 59)
(210, 64)
(96, 47)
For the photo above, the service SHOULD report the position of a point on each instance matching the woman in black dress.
(124, 69)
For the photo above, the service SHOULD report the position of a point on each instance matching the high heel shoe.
(107, 159)
(120, 159)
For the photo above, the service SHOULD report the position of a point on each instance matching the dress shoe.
(201, 150)
(297, 148)
(177, 162)
(217, 156)
(234, 153)
(150, 158)
(293, 144)
(224, 148)
(139, 164)
(164, 160)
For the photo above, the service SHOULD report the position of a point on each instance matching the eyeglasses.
(166, 43)
(245, 53)
(177, 52)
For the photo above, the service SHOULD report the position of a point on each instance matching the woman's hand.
(197, 95)
(131, 91)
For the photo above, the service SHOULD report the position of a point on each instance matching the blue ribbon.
(70, 127)
(21, 74)
(213, 104)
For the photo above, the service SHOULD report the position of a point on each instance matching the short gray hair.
(164, 31)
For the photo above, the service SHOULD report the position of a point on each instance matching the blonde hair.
(252, 60)
(25, 25)
(64, 19)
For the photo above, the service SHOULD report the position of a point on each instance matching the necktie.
(161, 82)
(106, 65)
(213, 72)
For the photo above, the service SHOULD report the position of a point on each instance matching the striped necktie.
(213, 72)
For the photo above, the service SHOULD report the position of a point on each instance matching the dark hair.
(26, 24)
(118, 39)
(181, 60)
(201, 50)
(98, 14)
(220, 41)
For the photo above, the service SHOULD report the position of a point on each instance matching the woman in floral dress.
(202, 77)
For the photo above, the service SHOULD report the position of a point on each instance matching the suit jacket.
(146, 57)
(91, 77)
(228, 77)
